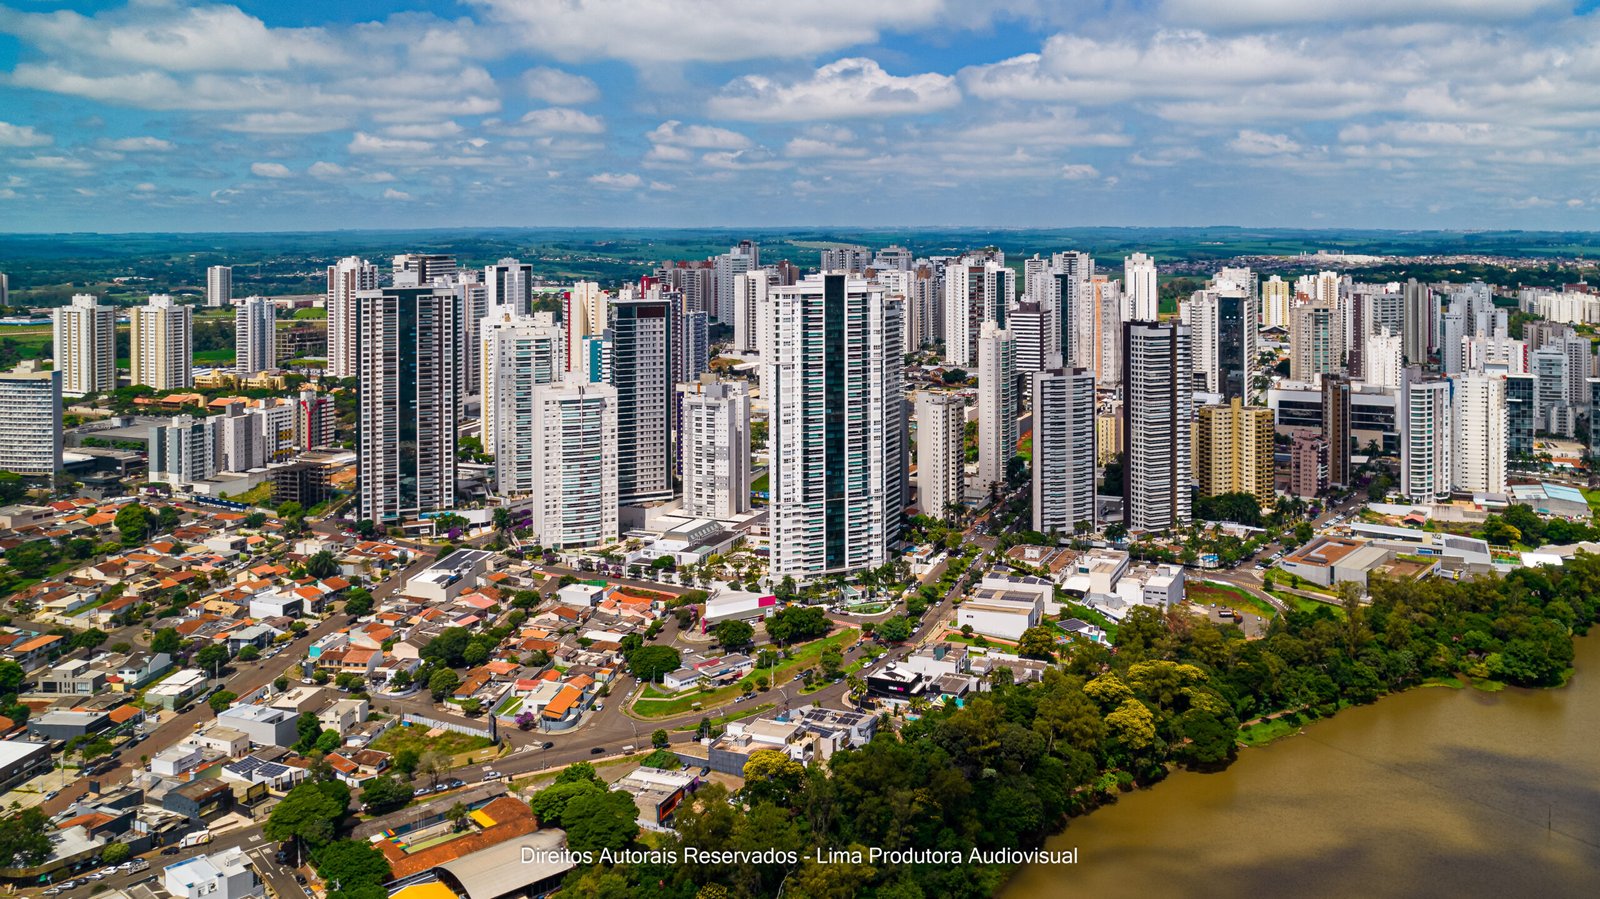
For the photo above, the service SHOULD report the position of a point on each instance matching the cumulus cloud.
(559, 120)
(1079, 172)
(1323, 12)
(616, 180)
(676, 31)
(53, 163)
(289, 122)
(699, 137)
(392, 194)
(23, 136)
(559, 88)
(138, 145)
(270, 170)
(1259, 143)
(848, 88)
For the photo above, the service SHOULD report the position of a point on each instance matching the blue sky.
(165, 115)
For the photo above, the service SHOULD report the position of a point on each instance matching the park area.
(652, 704)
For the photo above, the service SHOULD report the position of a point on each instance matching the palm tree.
(858, 688)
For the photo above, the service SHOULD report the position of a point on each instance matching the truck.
(198, 838)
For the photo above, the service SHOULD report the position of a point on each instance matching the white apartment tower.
(160, 344)
(1383, 362)
(1426, 436)
(508, 287)
(976, 290)
(219, 285)
(1156, 427)
(716, 448)
(837, 419)
(575, 471)
(752, 319)
(1064, 450)
(255, 336)
(744, 257)
(1140, 299)
(184, 449)
(519, 354)
(30, 420)
(1481, 432)
(997, 405)
(641, 333)
(85, 346)
(941, 460)
(346, 278)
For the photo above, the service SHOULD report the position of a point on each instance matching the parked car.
(597, 750)
(492, 775)
(94, 875)
(419, 791)
(170, 850)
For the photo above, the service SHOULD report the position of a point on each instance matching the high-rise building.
(1157, 416)
(1140, 299)
(1233, 451)
(255, 336)
(160, 342)
(743, 257)
(408, 400)
(1071, 278)
(575, 465)
(1383, 360)
(750, 309)
(1108, 435)
(346, 278)
(314, 419)
(976, 290)
(691, 348)
(1275, 303)
(1106, 337)
(184, 449)
(1316, 344)
(585, 315)
(1224, 329)
(1064, 450)
(1418, 309)
(1308, 465)
(240, 442)
(1552, 378)
(1426, 436)
(1029, 324)
(85, 346)
(837, 427)
(219, 285)
(426, 267)
(519, 355)
(30, 420)
(5, 289)
(941, 460)
(641, 370)
(1336, 428)
(997, 406)
(472, 295)
(508, 287)
(1521, 415)
(1452, 331)
(716, 447)
(849, 259)
(1480, 433)
(893, 258)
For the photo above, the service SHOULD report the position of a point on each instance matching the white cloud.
(662, 186)
(55, 163)
(23, 136)
(270, 170)
(665, 154)
(138, 145)
(1325, 12)
(559, 120)
(677, 31)
(375, 144)
(1079, 172)
(813, 148)
(848, 88)
(742, 160)
(320, 169)
(616, 180)
(559, 88)
(425, 130)
(699, 137)
(1259, 143)
(289, 122)
(392, 194)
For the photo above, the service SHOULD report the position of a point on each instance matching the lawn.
(1302, 604)
(805, 657)
(1205, 593)
(214, 357)
(733, 716)
(762, 484)
(1266, 732)
(416, 737)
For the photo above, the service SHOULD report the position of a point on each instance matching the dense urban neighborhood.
(462, 584)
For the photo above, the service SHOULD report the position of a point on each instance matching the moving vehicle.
(597, 750)
(198, 838)
(170, 850)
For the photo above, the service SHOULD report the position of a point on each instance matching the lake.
(1434, 792)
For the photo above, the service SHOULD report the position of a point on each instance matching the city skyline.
(160, 115)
